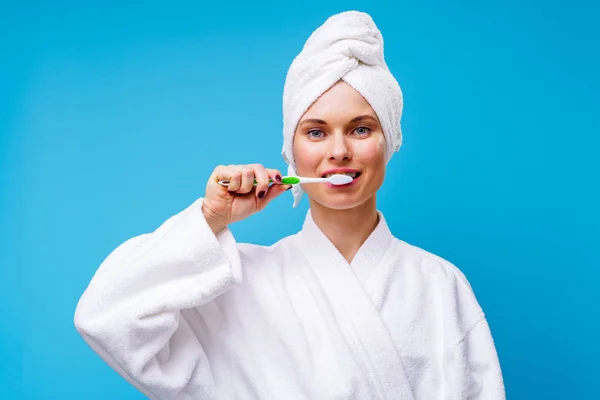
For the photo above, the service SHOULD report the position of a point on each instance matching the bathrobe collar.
(346, 289)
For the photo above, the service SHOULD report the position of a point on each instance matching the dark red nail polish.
(261, 194)
(278, 178)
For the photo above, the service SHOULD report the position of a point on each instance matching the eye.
(315, 134)
(362, 130)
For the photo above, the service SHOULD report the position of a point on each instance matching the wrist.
(215, 222)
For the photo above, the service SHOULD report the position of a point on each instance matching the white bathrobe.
(183, 314)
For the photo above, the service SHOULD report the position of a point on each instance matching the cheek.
(371, 152)
(307, 157)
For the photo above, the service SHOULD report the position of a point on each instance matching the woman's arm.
(130, 314)
(472, 366)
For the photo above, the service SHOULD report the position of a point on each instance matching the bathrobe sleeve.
(131, 312)
(473, 368)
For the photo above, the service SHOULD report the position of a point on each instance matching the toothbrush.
(337, 179)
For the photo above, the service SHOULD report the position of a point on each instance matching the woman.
(341, 310)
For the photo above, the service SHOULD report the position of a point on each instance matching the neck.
(346, 229)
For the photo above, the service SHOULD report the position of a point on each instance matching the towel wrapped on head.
(348, 47)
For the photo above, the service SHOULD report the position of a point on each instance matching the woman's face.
(340, 133)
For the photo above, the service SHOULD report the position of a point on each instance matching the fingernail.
(278, 178)
(289, 188)
(261, 194)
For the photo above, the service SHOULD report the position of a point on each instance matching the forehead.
(340, 101)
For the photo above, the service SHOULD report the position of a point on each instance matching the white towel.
(348, 46)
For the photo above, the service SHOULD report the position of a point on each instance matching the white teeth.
(352, 174)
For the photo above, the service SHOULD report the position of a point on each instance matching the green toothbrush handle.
(286, 180)
(290, 180)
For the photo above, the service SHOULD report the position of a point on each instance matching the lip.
(338, 170)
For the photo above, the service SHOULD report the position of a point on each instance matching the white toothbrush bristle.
(340, 179)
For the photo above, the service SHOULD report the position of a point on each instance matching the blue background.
(113, 114)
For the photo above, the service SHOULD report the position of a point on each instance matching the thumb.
(274, 191)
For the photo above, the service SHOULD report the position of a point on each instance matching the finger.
(274, 192)
(247, 180)
(219, 173)
(224, 173)
(274, 174)
(262, 179)
(235, 181)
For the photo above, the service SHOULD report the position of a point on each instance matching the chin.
(337, 202)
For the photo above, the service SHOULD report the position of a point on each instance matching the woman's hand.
(224, 205)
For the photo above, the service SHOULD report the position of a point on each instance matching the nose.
(339, 148)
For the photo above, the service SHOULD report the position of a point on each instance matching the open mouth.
(354, 175)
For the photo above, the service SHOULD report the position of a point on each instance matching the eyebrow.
(321, 122)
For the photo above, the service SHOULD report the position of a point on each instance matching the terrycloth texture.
(183, 314)
(348, 46)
